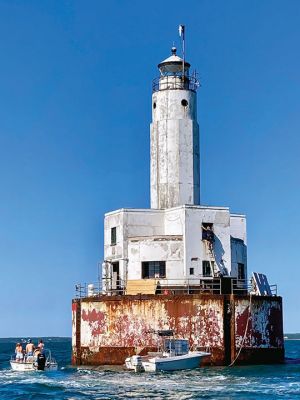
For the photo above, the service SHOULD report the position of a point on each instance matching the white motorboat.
(31, 363)
(175, 355)
(166, 362)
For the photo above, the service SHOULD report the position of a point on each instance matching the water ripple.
(251, 382)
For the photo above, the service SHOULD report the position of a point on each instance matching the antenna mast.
(182, 35)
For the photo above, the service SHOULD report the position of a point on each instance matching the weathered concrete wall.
(238, 228)
(238, 255)
(166, 248)
(175, 236)
(112, 328)
(175, 174)
(196, 250)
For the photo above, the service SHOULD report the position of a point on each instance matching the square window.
(113, 236)
(153, 269)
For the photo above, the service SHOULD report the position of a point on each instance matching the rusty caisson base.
(107, 329)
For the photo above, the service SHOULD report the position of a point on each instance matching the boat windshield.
(176, 346)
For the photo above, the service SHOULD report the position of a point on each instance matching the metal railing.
(94, 289)
(173, 82)
(88, 289)
(201, 285)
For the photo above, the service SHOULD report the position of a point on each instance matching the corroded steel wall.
(259, 328)
(108, 329)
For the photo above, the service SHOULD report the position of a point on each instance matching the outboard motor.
(136, 362)
(41, 362)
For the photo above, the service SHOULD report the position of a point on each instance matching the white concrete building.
(177, 240)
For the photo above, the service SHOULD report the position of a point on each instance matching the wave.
(267, 381)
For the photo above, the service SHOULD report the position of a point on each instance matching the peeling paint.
(265, 322)
(113, 327)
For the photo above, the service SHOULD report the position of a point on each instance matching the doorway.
(116, 284)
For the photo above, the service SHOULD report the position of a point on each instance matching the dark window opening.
(241, 271)
(206, 268)
(191, 271)
(184, 102)
(115, 275)
(113, 236)
(208, 232)
(153, 269)
(154, 105)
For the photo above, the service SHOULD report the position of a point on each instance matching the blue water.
(252, 382)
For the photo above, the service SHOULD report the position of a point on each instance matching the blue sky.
(75, 108)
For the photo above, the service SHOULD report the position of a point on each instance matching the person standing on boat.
(19, 352)
(41, 346)
(36, 353)
(29, 348)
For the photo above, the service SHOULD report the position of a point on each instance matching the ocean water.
(247, 382)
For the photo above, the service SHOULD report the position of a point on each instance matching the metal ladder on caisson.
(209, 249)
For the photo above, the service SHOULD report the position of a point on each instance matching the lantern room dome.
(173, 64)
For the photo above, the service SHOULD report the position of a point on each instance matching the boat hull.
(177, 363)
(190, 360)
(29, 367)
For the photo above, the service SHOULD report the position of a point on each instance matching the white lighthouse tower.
(177, 242)
(175, 169)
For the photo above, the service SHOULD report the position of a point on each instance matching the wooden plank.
(141, 286)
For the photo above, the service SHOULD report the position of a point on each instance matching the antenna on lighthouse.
(182, 35)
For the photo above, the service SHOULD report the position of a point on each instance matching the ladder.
(209, 247)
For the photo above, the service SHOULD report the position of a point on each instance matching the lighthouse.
(175, 167)
(179, 265)
(177, 241)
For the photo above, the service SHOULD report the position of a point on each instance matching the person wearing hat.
(29, 348)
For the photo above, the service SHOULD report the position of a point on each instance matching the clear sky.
(75, 108)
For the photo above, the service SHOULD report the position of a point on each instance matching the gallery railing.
(173, 82)
(201, 285)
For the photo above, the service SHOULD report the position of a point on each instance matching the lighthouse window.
(113, 236)
(154, 105)
(206, 268)
(153, 269)
(184, 102)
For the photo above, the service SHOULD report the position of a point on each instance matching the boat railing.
(32, 358)
(23, 360)
(205, 349)
(200, 285)
(48, 355)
